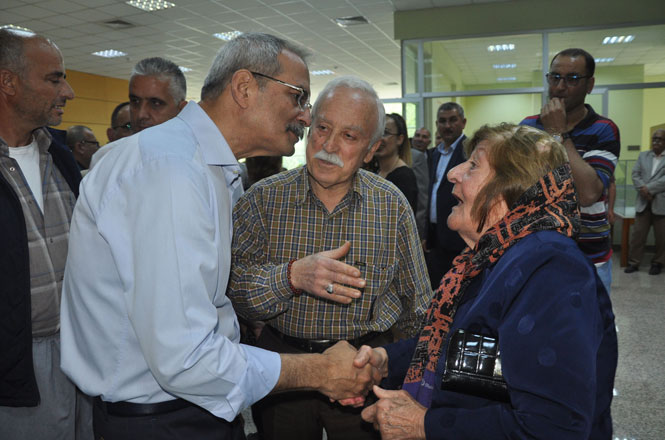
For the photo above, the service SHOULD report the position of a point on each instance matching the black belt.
(128, 409)
(321, 345)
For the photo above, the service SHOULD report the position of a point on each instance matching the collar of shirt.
(214, 148)
(41, 135)
(304, 188)
(442, 149)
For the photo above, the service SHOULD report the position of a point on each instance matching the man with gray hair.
(83, 143)
(157, 92)
(39, 182)
(146, 325)
(328, 252)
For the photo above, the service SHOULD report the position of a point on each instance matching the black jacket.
(447, 239)
(17, 378)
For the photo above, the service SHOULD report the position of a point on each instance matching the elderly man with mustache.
(328, 252)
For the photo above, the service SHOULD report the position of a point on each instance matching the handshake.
(342, 373)
(346, 375)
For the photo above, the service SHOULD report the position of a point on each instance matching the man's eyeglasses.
(95, 143)
(570, 80)
(127, 126)
(302, 98)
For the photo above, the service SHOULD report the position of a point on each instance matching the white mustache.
(329, 157)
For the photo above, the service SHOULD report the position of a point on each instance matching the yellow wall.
(96, 97)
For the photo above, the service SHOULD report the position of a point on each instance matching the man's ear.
(182, 104)
(8, 82)
(590, 84)
(243, 87)
(371, 151)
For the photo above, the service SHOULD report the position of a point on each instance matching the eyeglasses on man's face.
(569, 80)
(302, 98)
(127, 126)
(93, 143)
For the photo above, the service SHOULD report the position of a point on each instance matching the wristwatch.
(560, 138)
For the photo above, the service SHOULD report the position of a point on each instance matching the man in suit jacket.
(649, 181)
(442, 244)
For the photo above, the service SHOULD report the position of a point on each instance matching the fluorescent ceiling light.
(604, 60)
(507, 78)
(227, 36)
(109, 53)
(504, 66)
(616, 39)
(500, 47)
(184, 69)
(322, 72)
(20, 30)
(150, 5)
(350, 21)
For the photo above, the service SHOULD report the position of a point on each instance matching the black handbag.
(473, 366)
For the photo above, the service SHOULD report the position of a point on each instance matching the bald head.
(658, 141)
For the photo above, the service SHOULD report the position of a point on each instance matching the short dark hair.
(11, 51)
(163, 68)
(589, 62)
(75, 134)
(116, 110)
(447, 106)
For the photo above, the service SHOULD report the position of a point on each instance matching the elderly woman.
(522, 283)
(394, 158)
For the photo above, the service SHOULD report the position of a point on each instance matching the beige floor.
(639, 305)
(639, 402)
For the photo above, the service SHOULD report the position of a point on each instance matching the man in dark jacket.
(443, 245)
(38, 187)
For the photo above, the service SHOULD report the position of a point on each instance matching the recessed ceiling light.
(109, 53)
(18, 29)
(350, 21)
(322, 72)
(604, 60)
(184, 69)
(227, 36)
(504, 66)
(507, 78)
(150, 5)
(500, 47)
(616, 39)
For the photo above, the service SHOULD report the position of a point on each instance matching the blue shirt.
(144, 313)
(440, 174)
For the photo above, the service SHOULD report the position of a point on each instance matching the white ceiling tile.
(32, 11)
(60, 6)
(6, 4)
(62, 20)
(121, 10)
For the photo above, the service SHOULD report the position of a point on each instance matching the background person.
(649, 180)
(83, 143)
(394, 159)
(523, 280)
(592, 144)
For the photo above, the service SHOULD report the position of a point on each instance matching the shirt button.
(12, 169)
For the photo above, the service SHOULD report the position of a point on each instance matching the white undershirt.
(27, 158)
(656, 162)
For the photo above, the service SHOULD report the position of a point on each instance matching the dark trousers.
(303, 415)
(643, 221)
(192, 422)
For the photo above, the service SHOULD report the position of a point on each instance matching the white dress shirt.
(144, 313)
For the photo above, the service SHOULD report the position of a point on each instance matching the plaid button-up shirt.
(280, 219)
(47, 232)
